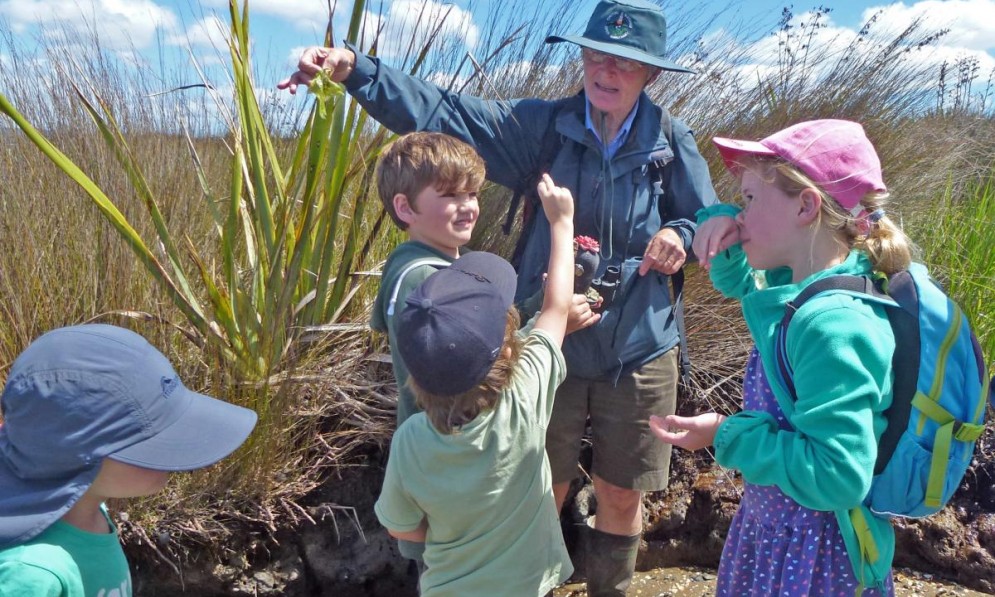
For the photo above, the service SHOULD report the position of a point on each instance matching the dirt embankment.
(348, 553)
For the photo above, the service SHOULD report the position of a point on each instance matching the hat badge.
(618, 25)
(169, 384)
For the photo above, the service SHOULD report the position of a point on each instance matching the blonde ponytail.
(885, 244)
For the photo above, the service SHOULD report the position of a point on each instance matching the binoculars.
(607, 285)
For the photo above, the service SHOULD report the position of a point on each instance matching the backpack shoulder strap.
(658, 172)
(660, 175)
(677, 282)
(858, 284)
(551, 144)
(432, 261)
(549, 147)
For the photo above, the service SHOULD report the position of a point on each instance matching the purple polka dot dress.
(776, 546)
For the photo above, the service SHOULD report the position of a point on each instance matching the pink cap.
(835, 154)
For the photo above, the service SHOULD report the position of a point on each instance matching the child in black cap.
(469, 475)
(93, 412)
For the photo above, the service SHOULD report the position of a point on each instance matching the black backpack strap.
(677, 281)
(861, 284)
(551, 144)
(660, 175)
(903, 319)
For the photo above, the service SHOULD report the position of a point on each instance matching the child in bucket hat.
(469, 475)
(93, 412)
(814, 199)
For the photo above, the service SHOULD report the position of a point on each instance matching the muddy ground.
(700, 582)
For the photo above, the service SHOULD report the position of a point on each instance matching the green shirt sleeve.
(840, 350)
(19, 579)
(395, 508)
(541, 363)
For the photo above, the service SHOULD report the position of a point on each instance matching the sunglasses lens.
(626, 66)
(623, 64)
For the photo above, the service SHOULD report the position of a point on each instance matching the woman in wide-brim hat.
(637, 179)
(623, 50)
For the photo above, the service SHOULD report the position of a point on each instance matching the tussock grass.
(329, 402)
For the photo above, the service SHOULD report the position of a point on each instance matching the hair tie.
(867, 221)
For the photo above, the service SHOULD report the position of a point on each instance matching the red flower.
(587, 243)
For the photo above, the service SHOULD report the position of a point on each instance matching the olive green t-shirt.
(486, 491)
(409, 263)
(64, 561)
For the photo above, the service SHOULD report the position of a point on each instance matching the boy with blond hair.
(469, 476)
(428, 184)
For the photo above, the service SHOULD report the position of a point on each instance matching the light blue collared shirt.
(623, 131)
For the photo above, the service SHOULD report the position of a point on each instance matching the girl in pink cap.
(813, 200)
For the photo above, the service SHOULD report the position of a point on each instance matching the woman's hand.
(339, 63)
(715, 235)
(664, 253)
(690, 433)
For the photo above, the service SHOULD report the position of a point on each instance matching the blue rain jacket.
(616, 203)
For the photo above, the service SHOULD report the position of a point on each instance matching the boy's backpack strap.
(432, 261)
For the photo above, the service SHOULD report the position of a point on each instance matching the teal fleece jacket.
(839, 346)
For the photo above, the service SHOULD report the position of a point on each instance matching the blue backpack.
(940, 391)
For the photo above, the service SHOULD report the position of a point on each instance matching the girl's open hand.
(714, 236)
(557, 202)
(690, 433)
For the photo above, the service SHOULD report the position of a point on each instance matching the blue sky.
(152, 32)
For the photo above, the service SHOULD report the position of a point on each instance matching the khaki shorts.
(626, 453)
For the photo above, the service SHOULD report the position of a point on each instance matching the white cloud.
(971, 25)
(294, 56)
(412, 22)
(304, 14)
(118, 23)
(208, 32)
(971, 22)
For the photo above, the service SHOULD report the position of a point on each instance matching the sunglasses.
(623, 64)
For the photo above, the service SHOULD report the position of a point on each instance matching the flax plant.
(956, 238)
(284, 255)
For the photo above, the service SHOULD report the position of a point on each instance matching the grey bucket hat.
(80, 394)
(633, 29)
